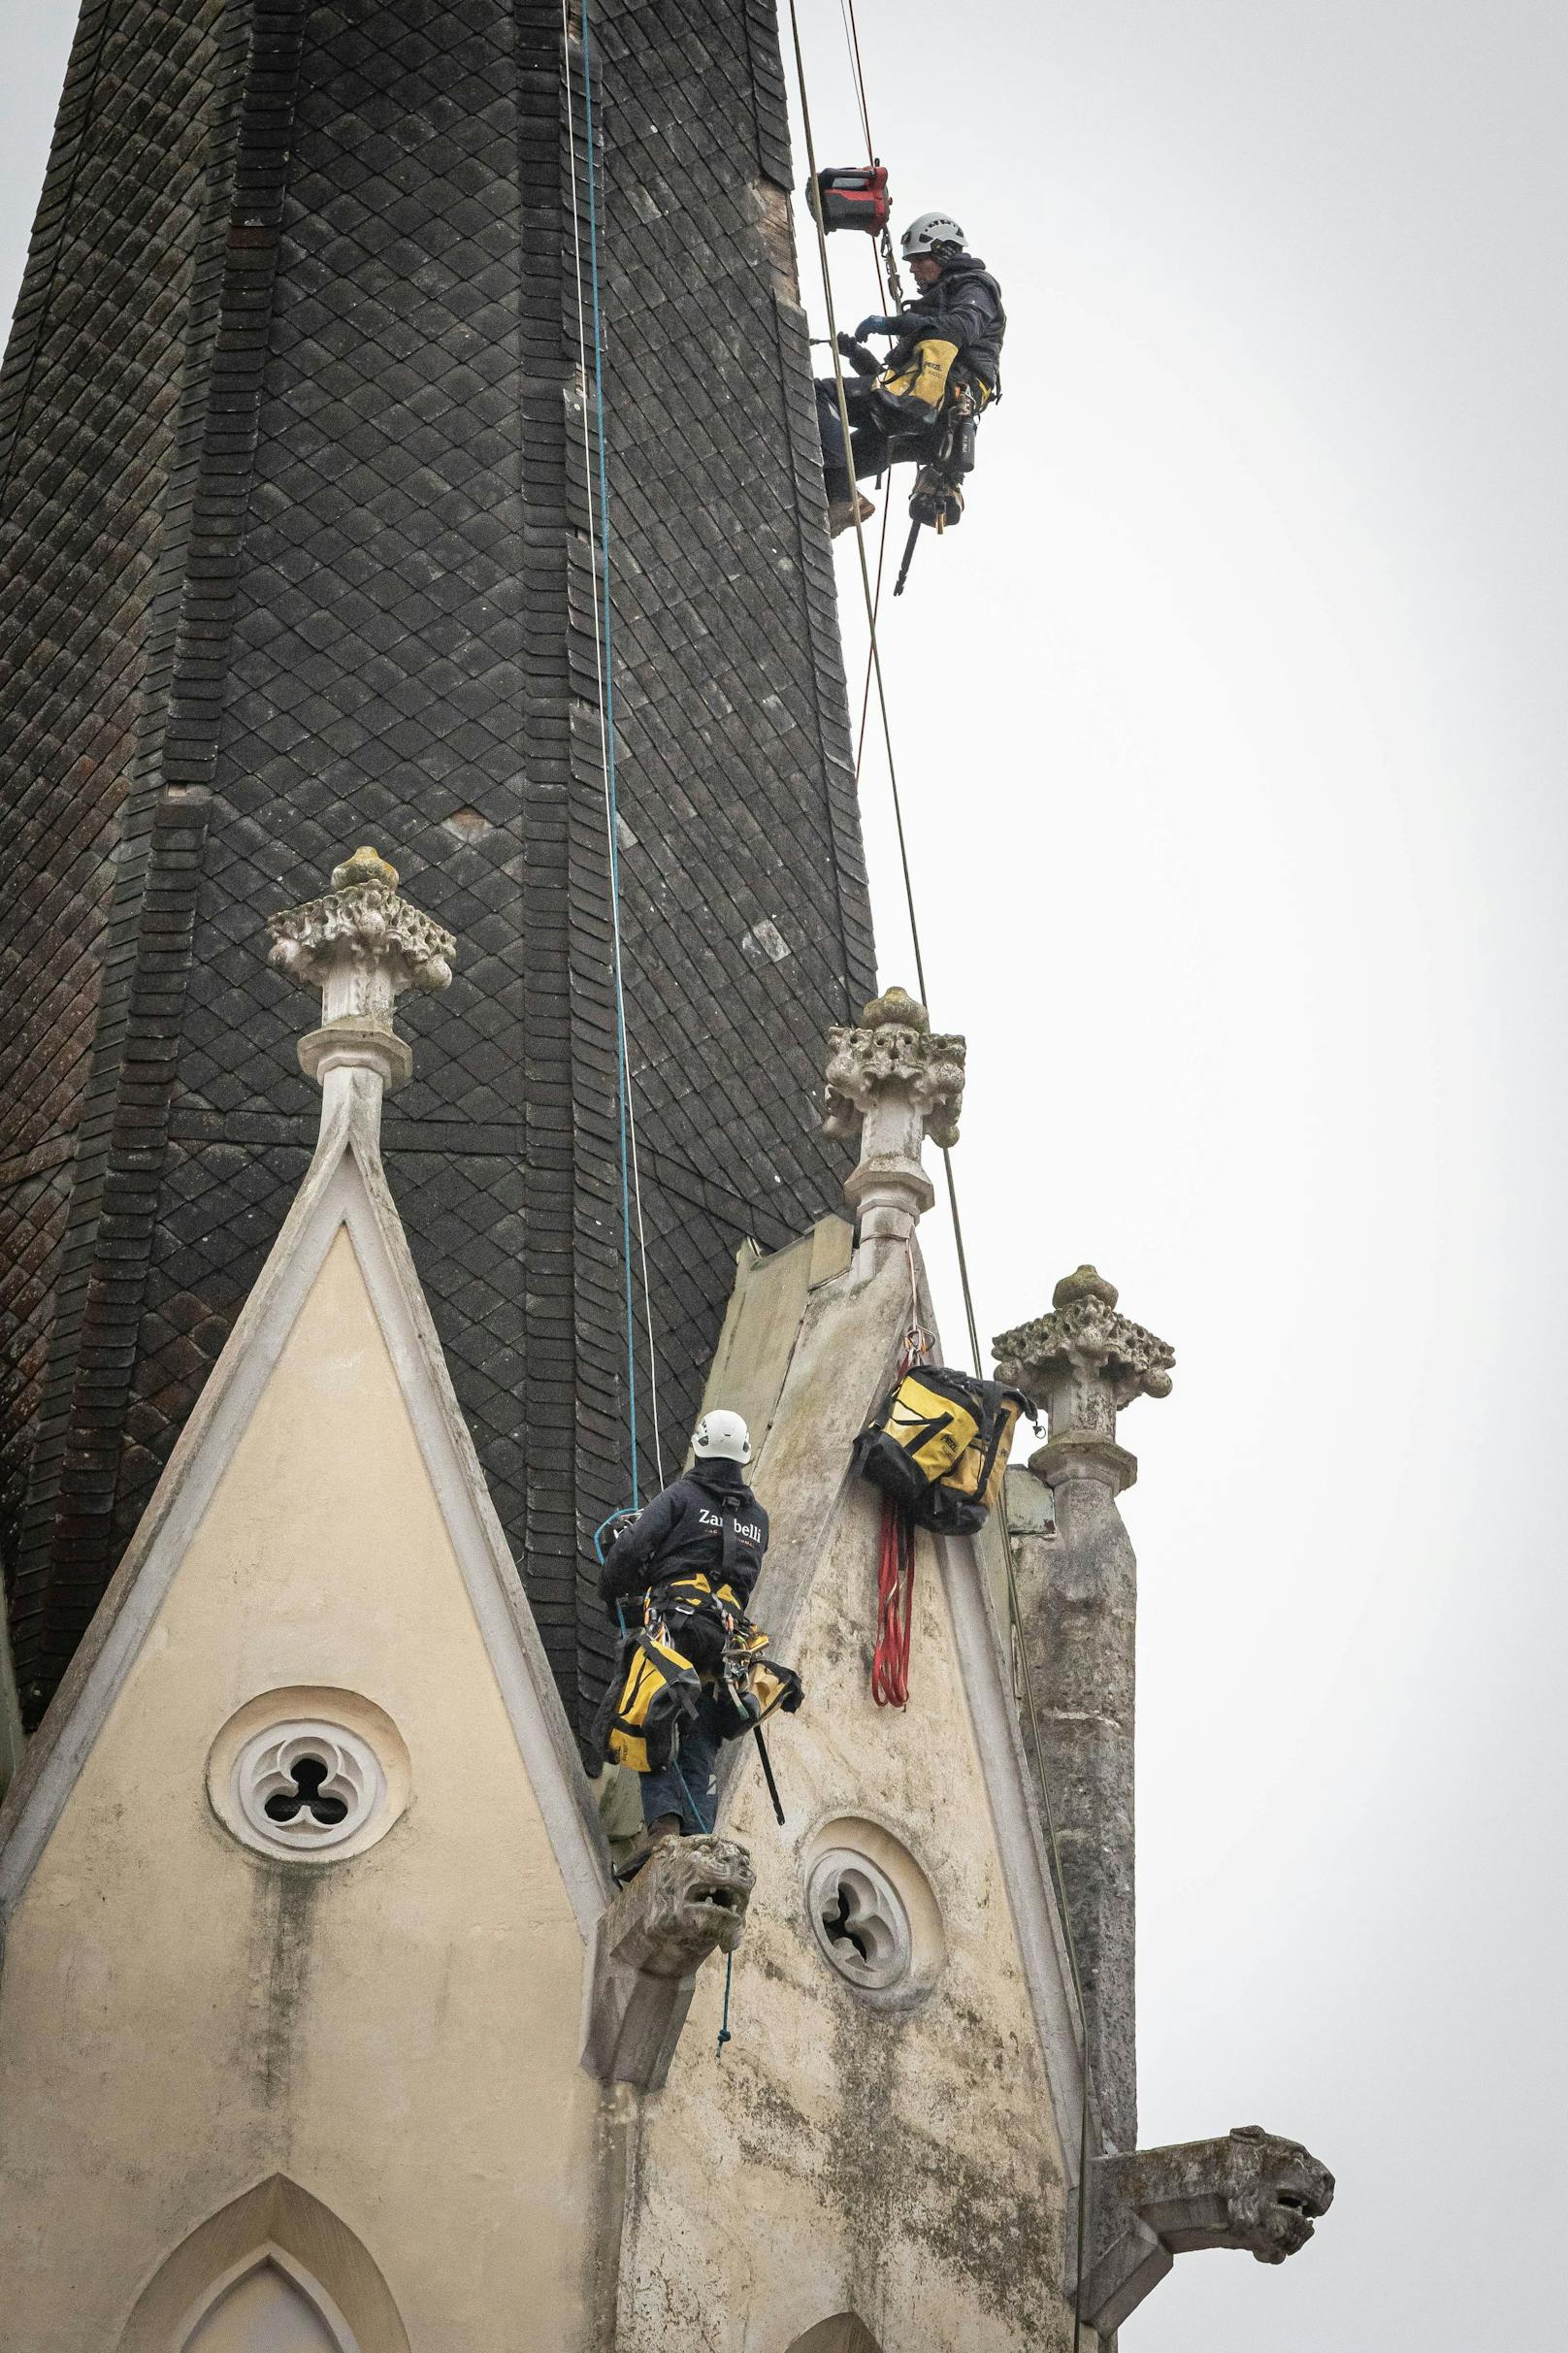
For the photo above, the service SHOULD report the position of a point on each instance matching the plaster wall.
(849, 2153)
(180, 2017)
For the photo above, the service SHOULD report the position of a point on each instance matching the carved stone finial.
(896, 1081)
(688, 1900)
(362, 945)
(1086, 1362)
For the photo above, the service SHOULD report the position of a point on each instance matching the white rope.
(595, 536)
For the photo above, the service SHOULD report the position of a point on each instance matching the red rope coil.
(895, 1607)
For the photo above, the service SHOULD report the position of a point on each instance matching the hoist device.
(851, 196)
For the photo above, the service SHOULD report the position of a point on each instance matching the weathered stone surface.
(1250, 2190)
(1084, 1360)
(689, 1900)
(1078, 1597)
(362, 946)
(894, 1083)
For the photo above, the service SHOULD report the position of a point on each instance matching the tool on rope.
(767, 1773)
(725, 2035)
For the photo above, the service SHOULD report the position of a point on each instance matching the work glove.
(876, 324)
(864, 362)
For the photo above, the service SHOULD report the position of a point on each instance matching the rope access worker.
(950, 335)
(691, 1675)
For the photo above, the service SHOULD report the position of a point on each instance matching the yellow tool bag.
(914, 388)
(642, 1713)
(938, 1443)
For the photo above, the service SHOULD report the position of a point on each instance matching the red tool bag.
(852, 196)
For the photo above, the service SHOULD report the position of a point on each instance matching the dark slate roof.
(297, 556)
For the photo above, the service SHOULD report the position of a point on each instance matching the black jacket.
(686, 1528)
(965, 307)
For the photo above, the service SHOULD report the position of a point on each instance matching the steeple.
(297, 442)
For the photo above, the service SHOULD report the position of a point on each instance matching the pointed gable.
(904, 2048)
(298, 1871)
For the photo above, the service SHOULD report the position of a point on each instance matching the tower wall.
(358, 603)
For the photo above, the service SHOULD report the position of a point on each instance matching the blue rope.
(725, 2035)
(612, 827)
(705, 1827)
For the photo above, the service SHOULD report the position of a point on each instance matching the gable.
(183, 2008)
(913, 2141)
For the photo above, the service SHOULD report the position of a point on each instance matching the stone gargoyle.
(1250, 2190)
(688, 1900)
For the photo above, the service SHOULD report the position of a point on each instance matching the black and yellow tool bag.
(914, 386)
(938, 1443)
(639, 1723)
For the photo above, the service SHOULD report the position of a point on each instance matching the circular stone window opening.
(872, 1911)
(859, 1920)
(309, 1772)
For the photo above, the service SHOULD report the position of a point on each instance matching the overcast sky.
(1232, 736)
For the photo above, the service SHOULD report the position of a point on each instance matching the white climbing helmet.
(724, 1434)
(931, 230)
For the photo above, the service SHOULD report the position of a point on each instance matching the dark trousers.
(872, 444)
(688, 1786)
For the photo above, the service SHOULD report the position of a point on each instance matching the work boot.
(844, 514)
(661, 1826)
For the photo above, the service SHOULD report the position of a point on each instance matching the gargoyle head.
(688, 1900)
(1277, 2191)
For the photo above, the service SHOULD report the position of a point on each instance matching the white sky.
(1232, 738)
(1230, 733)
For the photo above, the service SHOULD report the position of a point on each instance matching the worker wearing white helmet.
(688, 1565)
(959, 303)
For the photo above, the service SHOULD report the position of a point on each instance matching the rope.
(725, 2035)
(872, 601)
(895, 1607)
(724, 2024)
(604, 673)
